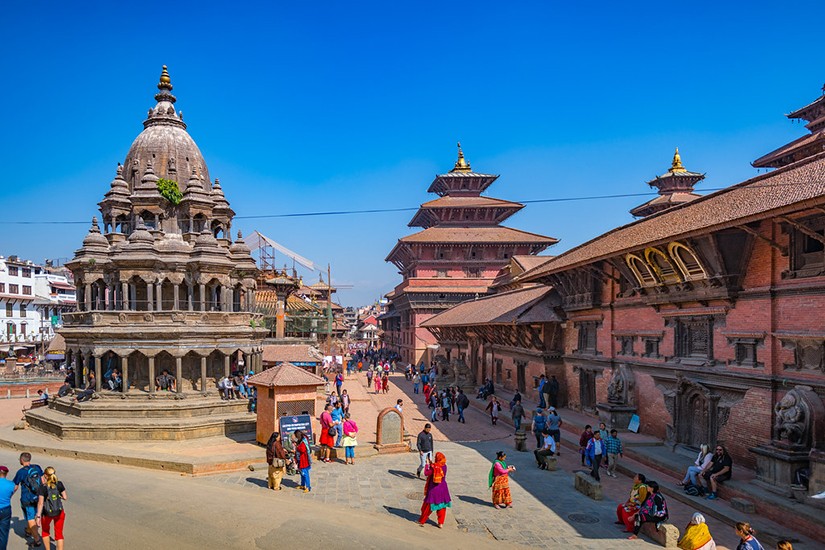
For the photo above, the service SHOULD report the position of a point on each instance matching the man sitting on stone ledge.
(115, 382)
(719, 470)
(89, 392)
(547, 449)
(165, 382)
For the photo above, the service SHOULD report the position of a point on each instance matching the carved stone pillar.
(190, 293)
(179, 374)
(78, 368)
(87, 297)
(150, 296)
(226, 365)
(124, 370)
(98, 374)
(159, 291)
(230, 299)
(152, 375)
(203, 376)
(202, 289)
(176, 297)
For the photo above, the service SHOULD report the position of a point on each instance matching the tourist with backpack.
(28, 480)
(50, 497)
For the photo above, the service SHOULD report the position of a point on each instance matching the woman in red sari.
(385, 383)
(377, 380)
(500, 481)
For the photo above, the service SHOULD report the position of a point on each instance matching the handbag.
(279, 463)
(331, 431)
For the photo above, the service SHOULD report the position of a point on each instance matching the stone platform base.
(167, 417)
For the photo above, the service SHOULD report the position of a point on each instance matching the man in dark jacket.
(424, 444)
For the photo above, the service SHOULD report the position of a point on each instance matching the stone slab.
(587, 486)
(667, 535)
(743, 505)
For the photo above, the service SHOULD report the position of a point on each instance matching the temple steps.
(141, 406)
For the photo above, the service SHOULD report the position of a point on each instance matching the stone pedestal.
(390, 432)
(521, 441)
(615, 416)
(775, 467)
(817, 479)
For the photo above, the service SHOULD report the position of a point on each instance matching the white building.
(32, 303)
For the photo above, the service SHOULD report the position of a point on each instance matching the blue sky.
(301, 107)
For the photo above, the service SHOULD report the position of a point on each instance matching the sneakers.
(711, 496)
(418, 474)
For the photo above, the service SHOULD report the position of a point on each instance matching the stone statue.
(791, 418)
(615, 390)
(172, 164)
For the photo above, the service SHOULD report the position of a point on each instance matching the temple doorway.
(587, 389)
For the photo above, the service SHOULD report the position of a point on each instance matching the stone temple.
(161, 287)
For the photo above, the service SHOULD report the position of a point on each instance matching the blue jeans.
(517, 423)
(461, 414)
(692, 472)
(5, 525)
(305, 478)
(415, 388)
(349, 452)
(340, 429)
(542, 402)
(434, 415)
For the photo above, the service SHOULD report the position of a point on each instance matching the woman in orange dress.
(500, 481)
(625, 512)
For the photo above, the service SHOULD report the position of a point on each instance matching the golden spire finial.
(461, 165)
(676, 166)
(165, 82)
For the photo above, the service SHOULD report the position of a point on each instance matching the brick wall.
(650, 406)
(749, 424)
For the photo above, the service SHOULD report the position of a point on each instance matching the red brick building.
(456, 257)
(699, 317)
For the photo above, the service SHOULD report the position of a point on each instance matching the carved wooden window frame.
(639, 267)
(684, 332)
(664, 268)
(587, 334)
(651, 349)
(799, 264)
(675, 250)
(626, 344)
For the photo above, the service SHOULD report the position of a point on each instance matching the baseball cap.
(4, 469)
(552, 408)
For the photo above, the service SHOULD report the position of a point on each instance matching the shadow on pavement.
(401, 473)
(259, 482)
(474, 500)
(403, 514)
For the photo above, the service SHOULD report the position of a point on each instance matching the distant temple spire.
(461, 165)
(804, 147)
(676, 166)
(165, 81)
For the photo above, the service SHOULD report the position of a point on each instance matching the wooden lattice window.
(293, 408)
(662, 266)
(686, 260)
(626, 343)
(651, 347)
(641, 270)
(587, 337)
(694, 337)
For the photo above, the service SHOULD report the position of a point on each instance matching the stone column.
(124, 295)
(230, 299)
(133, 305)
(78, 368)
(151, 375)
(124, 371)
(101, 295)
(150, 296)
(190, 297)
(179, 374)
(176, 296)
(110, 290)
(226, 365)
(203, 376)
(98, 374)
(87, 297)
(202, 288)
(159, 287)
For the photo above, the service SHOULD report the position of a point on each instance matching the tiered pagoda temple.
(161, 288)
(804, 147)
(675, 187)
(455, 258)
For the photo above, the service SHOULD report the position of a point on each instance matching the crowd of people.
(42, 496)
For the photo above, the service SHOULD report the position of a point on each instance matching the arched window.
(662, 266)
(686, 260)
(640, 269)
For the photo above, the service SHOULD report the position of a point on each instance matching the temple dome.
(166, 143)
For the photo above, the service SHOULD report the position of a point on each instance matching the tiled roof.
(529, 261)
(58, 343)
(497, 234)
(776, 192)
(285, 374)
(664, 201)
(450, 201)
(291, 353)
(522, 306)
(805, 141)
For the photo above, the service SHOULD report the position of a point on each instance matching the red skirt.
(327, 439)
(625, 513)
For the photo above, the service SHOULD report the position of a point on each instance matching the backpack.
(694, 490)
(53, 503)
(32, 481)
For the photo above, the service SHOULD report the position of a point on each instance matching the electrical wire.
(410, 209)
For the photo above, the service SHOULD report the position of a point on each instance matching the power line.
(410, 209)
